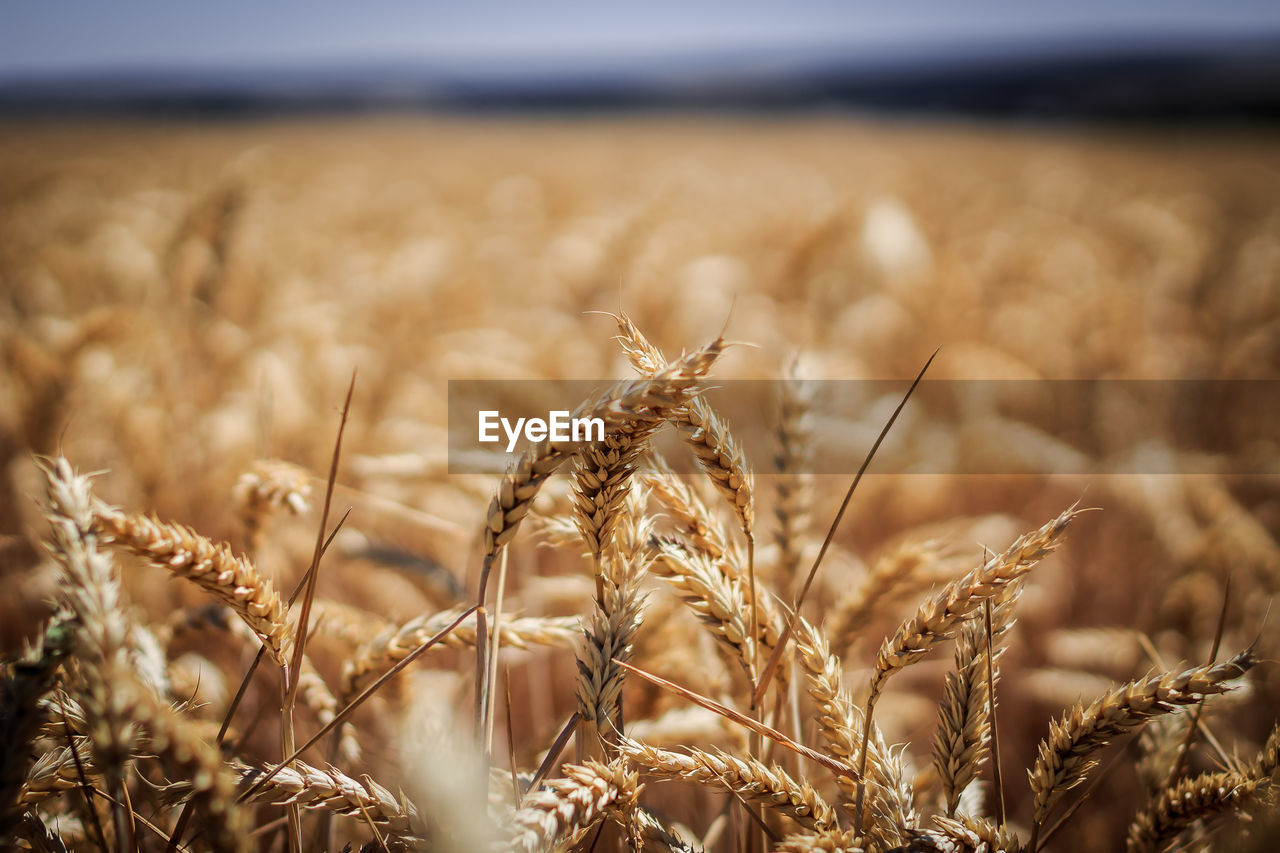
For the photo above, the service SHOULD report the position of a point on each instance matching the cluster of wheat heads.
(694, 669)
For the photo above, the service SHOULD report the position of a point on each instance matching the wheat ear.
(117, 705)
(792, 460)
(269, 486)
(609, 633)
(717, 600)
(23, 711)
(1065, 756)
(378, 654)
(975, 834)
(961, 743)
(829, 841)
(1192, 800)
(638, 401)
(564, 807)
(893, 573)
(941, 617)
(840, 727)
(209, 565)
(329, 789)
(751, 779)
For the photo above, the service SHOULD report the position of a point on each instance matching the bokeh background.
(211, 215)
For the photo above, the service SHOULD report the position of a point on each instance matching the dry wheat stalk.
(751, 779)
(564, 807)
(1065, 756)
(392, 646)
(939, 618)
(211, 566)
(1190, 801)
(840, 725)
(329, 789)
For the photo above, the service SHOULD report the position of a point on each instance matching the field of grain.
(185, 305)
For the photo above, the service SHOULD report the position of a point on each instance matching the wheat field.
(1071, 654)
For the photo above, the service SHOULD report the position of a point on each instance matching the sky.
(39, 37)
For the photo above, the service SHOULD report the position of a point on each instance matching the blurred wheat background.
(184, 299)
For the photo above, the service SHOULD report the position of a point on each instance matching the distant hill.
(1117, 80)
